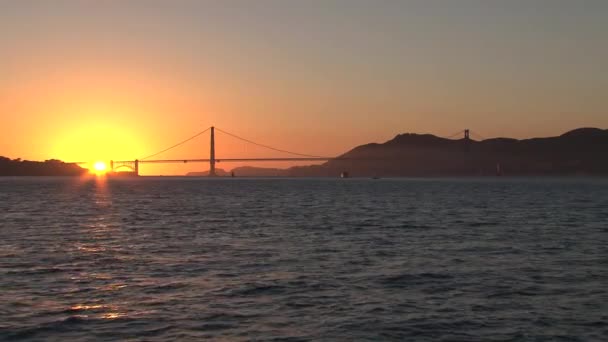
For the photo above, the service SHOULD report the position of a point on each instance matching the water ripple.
(157, 259)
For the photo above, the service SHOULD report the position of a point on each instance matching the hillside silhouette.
(218, 171)
(244, 171)
(578, 152)
(581, 151)
(52, 167)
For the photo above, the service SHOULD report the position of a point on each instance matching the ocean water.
(160, 259)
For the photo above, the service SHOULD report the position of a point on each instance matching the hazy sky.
(84, 80)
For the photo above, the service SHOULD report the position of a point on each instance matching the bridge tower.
(467, 140)
(212, 154)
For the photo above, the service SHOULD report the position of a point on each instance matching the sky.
(98, 80)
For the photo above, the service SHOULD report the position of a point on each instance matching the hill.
(577, 152)
(219, 172)
(53, 167)
(243, 171)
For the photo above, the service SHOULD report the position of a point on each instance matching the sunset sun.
(304, 170)
(99, 167)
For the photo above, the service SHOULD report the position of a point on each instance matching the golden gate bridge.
(134, 165)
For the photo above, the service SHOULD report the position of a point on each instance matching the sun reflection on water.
(79, 307)
(113, 287)
(102, 311)
(99, 244)
(90, 249)
(113, 315)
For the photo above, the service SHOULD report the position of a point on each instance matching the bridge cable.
(269, 147)
(176, 145)
(477, 135)
(453, 135)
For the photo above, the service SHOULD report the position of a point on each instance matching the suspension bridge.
(133, 166)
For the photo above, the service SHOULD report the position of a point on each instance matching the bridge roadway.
(218, 160)
(134, 164)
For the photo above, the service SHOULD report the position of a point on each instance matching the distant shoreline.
(577, 153)
(92, 176)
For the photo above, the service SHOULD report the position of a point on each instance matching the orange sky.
(84, 81)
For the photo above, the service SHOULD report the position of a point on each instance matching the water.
(160, 259)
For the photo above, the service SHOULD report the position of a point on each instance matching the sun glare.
(99, 167)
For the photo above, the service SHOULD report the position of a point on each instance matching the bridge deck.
(219, 160)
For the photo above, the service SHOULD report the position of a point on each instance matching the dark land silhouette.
(219, 172)
(582, 151)
(52, 167)
(245, 171)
